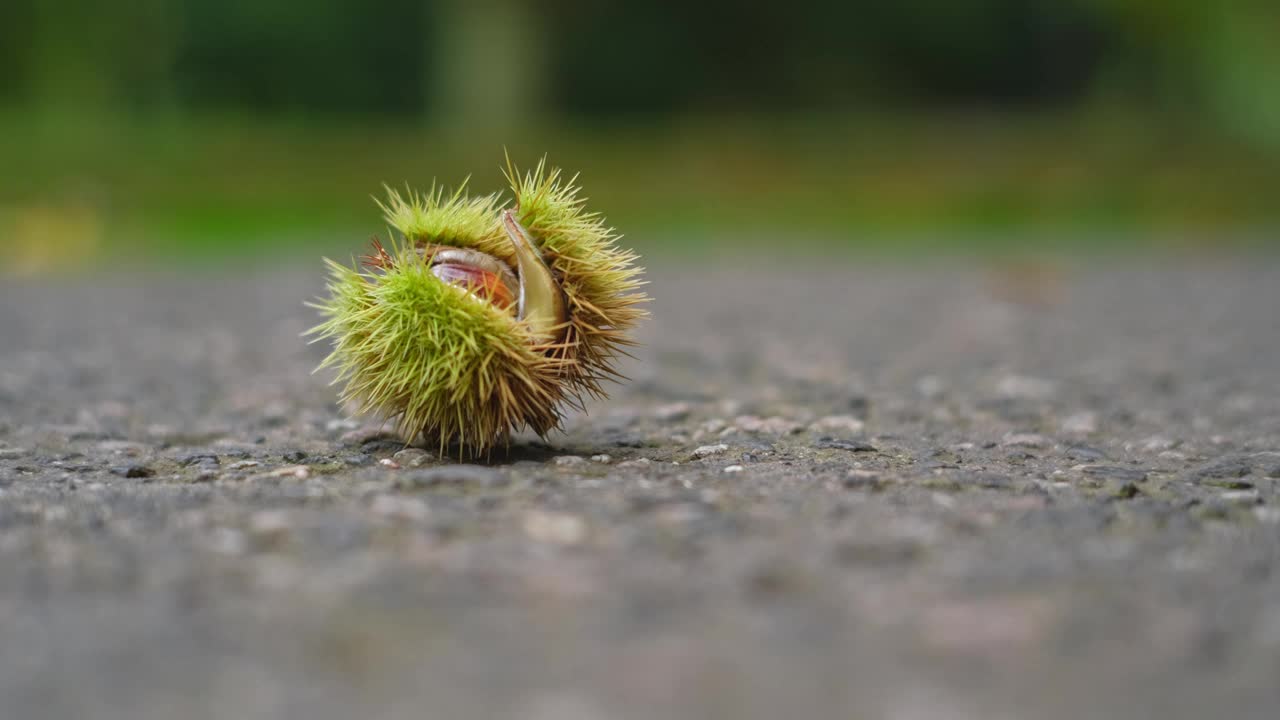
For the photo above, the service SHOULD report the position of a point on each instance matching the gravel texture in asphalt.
(844, 491)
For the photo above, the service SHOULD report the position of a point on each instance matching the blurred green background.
(223, 129)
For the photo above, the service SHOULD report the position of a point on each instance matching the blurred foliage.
(223, 122)
(1217, 62)
(413, 57)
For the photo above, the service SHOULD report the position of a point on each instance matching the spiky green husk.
(440, 361)
(600, 280)
(436, 218)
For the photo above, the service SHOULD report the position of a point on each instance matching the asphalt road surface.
(858, 490)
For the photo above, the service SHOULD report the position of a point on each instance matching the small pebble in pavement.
(1157, 444)
(1114, 472)
(1241, 497)
(709, 450)
(1081, 423)
(1224, 469)
(672, 412)
(859, 479)
(767, 426)
(270, 527)
(846, 424)
(226, 541)
(1021, 387)
(1085, 453)
(197, 457)
(399, 508)
(848, 445)
(931, 387)
(1025, 440)
(412, 457)
(299, 472)
(554, 527)
(362, 435)
(116, 447)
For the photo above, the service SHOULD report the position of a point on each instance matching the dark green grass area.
(79, 191)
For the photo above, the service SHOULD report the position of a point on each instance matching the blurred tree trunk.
(488, 65)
